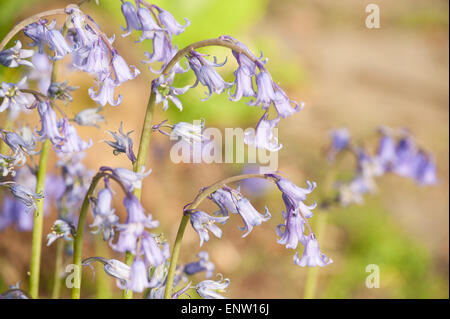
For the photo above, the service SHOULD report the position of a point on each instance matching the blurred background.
(321, 53)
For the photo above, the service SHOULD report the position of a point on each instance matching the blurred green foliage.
(372, 237)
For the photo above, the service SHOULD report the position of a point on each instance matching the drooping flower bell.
(202, 222)
(131, 18)
(207, 75)
(71, 142)
(312, 255)
(210, 289)
(263, 136)
(49, 123)
(230, 200)
(340, 139)
(105, 219)
(24, 195)
(172, 25)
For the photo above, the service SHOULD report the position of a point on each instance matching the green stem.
(180, 233)
(78, 240)
(56, 290)
(102, 282)
(312, 274)
(36, 243)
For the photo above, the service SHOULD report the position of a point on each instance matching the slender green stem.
(56, 289)
(78, 238)
(102, 280)
(198, 199)
(312, 274)
(36, 243)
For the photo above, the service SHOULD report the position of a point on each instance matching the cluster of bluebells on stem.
(396, 153)
(291, 232)
(91, 51)
(160, 26)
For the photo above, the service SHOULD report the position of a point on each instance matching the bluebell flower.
(139, 276)
(129, 179)
(202, 222)
(131, 18)
(57, 43)
(61, 91)
(163, 51)
(105, 93)
(292, 231)
(24, 195)
(210, 289)
(263, 136)
(170, 23)
(190, 133)
(265, 90)
(312, 255)
(134, 226)
(293, 194)
(283, 104)
(203, 264)
(426, 169)
(405, 151)
(250, 215)
(121, 69)
(386, 154)
(154, 255)
(93, 59)
(340, 139)
(15, 56)
(61, 228)
(244, 85)
(90, 117)
(105, 218)
(49, 123)
(41, 34)
(13, 98)
(37, 32)
(231, 200)
(71, 142)
(122, 144)
(206, 74)
(17, 143)
(113, 268)
(148, 25)
(165, 92)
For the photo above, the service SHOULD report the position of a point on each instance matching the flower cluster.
(396, 153)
